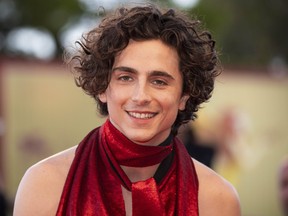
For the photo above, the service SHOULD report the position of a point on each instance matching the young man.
(148, 70)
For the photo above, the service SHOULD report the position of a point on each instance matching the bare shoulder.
(41, 187)
(216, 195)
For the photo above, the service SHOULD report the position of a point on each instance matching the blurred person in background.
(148, 70)
(3, 201)
(283, 186)
(202, 151)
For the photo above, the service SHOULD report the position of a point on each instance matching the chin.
(141, 140)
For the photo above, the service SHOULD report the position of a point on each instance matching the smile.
(141, 115)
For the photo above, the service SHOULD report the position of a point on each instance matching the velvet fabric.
(93, 184)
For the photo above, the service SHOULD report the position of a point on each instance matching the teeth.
(141, 115)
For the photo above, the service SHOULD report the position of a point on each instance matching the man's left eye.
(159, 82)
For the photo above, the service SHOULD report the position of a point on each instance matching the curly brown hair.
(196, 49)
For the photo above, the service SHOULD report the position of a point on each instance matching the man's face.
(283, 187)
(145, 91)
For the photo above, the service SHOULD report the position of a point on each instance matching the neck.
(140, 173)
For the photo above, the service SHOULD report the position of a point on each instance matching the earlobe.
(102, 97)
(183, 101)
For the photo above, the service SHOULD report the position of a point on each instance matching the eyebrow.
(126, 69)
(152, 73)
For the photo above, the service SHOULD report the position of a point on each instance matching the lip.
(141, 115)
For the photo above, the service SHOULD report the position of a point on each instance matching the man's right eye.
(125, 78)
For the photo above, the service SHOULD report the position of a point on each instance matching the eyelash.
(125, 78)
(159, 82)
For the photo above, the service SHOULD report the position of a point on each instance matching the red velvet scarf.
(93, 184)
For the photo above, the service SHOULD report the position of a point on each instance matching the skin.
(143, 98)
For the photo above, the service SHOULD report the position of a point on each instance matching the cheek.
(108, 95)
(170, 106)
(116, 97)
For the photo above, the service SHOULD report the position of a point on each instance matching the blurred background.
(242, 133)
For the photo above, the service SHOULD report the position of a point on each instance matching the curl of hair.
(196, 49)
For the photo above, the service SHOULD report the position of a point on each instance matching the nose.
(141, 94)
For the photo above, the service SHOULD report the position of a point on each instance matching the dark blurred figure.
(3, 201)
(203, 152)
(3, 205)
(283, 186)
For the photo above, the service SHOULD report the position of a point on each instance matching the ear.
(102, 97)
(182, 103)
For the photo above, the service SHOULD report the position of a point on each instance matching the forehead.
(148, 56)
